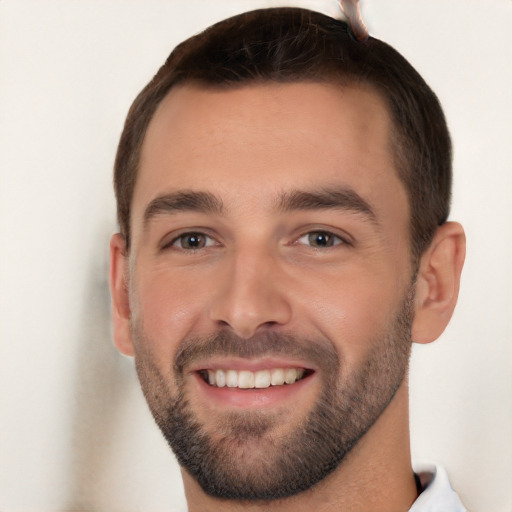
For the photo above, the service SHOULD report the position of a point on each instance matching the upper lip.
(252, 365)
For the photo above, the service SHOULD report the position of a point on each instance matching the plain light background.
(75, 433)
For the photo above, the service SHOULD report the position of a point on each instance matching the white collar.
(437, 494)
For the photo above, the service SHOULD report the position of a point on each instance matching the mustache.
(226, 344)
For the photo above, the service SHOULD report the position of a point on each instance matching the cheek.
(352, 309)
(168, 308)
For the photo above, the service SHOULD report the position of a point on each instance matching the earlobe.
(120, 296)
(437, 286)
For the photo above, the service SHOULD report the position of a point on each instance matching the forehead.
(249, 143)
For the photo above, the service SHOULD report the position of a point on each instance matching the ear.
(438, 282)
(120, 296)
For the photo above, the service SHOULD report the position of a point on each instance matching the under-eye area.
(261, 379)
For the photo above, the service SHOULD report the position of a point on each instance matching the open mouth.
(260, 379)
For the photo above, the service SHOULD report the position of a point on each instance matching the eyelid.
(340, 241)
(171, 241)
(345, 238)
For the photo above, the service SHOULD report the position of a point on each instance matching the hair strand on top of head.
(352, 11)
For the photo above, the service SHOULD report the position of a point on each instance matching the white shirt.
(437, 494)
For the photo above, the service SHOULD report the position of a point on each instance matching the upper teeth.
(261, 379)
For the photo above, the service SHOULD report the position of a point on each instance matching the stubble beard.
(240, 458)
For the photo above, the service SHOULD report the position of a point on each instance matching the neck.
(376, 476)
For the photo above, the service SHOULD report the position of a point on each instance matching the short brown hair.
(294, 45)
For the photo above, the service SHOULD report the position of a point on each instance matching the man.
(283, 193)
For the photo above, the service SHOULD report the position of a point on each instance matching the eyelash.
(190, 234)
(329, 235)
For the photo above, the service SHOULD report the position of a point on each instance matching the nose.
(251, 296)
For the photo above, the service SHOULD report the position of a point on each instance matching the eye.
(192, 241)
(321, 239)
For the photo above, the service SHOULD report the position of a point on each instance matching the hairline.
(346, 80)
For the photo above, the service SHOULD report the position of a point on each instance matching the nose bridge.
(251, 296)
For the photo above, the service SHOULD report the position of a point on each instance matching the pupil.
(320, 239)
(193, 241)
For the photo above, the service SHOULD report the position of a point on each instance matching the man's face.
(270, 243)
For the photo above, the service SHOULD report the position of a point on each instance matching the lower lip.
(253, 398)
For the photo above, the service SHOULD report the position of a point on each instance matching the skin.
(259, 272)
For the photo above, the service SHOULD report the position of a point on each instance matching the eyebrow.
(183, 201)
(205, 202)
(340, 198)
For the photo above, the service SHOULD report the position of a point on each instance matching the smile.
(260, 379)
